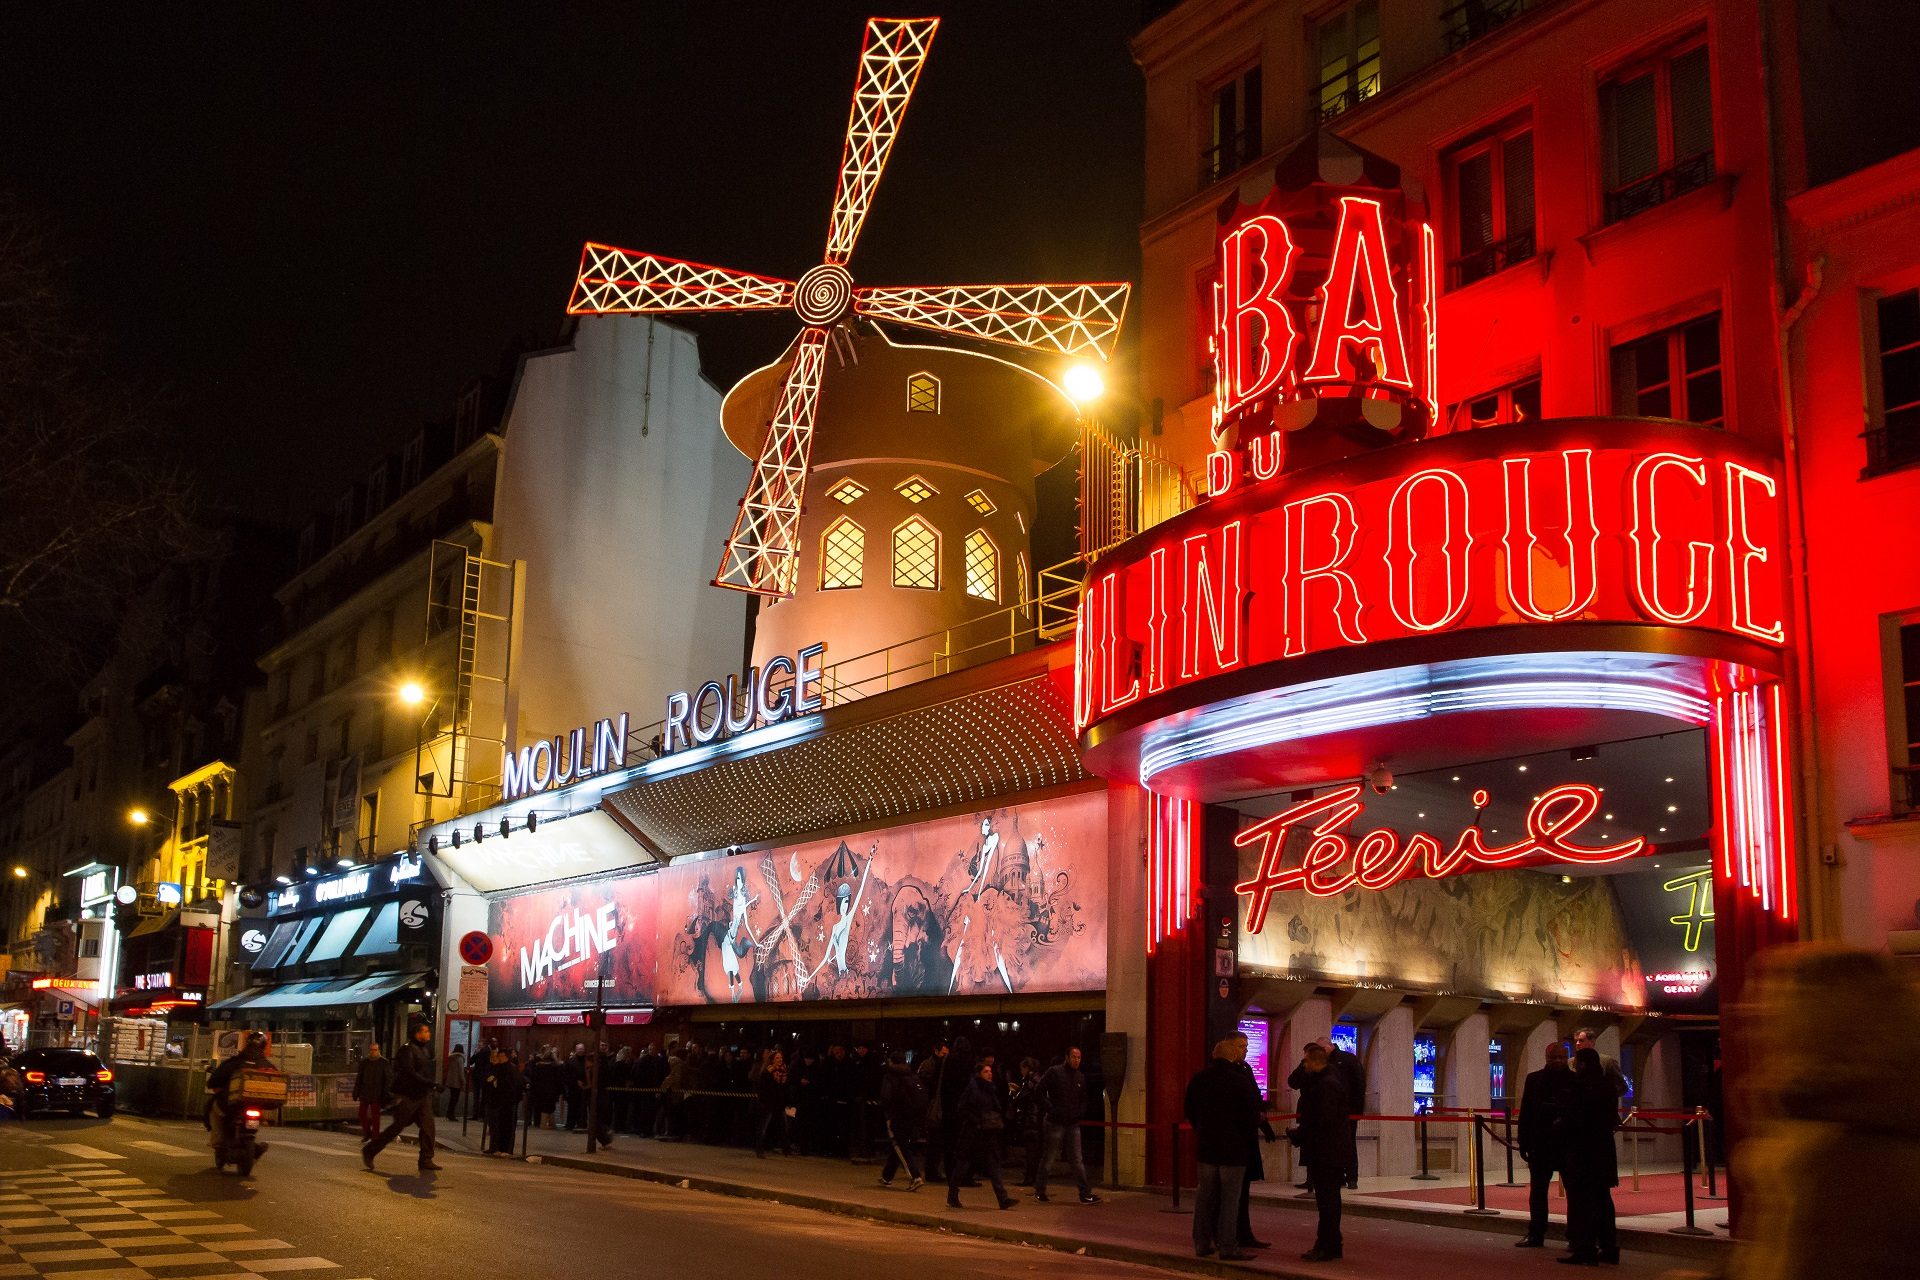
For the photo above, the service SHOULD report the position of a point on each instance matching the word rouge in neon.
(572, 938)
(567, 757)
(1334, 862)
(779, 689)
(1666, 525)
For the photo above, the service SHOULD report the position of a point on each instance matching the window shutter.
(1516, 177)
(1691, 85)
(1633, 144)
(1474, 202)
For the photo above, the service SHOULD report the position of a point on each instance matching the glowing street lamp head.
(1084, 383)
(411, 694)
(20, 873)
(139, 817)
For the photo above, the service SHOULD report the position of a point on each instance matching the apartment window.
(923, 393)
(466, 418)
(411, 455)
(843, 549)
(306, 548)
(1893, 437)
(1674, 373)
(1491, 182)
(343, 516)
(916, 555)
(376, 491)
(1233, 126)
(1906, 773)
(1516, 402)
(1468, 20)
(370, 819)
(1657, 122)
(983, 566)
(1348, 43)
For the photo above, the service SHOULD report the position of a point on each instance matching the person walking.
(413, 1099)
(1224, 1112)
(1591, 1167)
(933, 1082)
(502, 1085)
(903, 1109)
(977, 1142)
(770, 1104)
(372, 1083)
(1024, 1118)
(1542, 1137)
(1323, 1108)
(453, 1078)
(1063, 1105)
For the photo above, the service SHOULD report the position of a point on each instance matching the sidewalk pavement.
(1127, 1226)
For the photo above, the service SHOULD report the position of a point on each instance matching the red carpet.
(1659, 1193)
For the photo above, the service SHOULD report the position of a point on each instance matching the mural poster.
(567, 945)
(997, 902)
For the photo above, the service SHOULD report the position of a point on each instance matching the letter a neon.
(1360, 272)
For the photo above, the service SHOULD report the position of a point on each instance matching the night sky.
(304, 227)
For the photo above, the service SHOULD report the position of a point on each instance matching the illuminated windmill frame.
(762, 553)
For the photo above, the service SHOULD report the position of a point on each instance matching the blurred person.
(903, 1109)
(1830, 1165)
(1542, 1136)
(1224, 1113)
(453, 1079)
(670, 1124)
(372, 1083)
(1590, 1166)
(977, 1146)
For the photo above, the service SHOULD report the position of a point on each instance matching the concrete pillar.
(1127, 973)
(1312, 1019)
(1657, 1087)
(1533, 1055)
(1388, 1049)
(1468, 1066)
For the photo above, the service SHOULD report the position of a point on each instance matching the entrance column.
(1470, 1064)
(1127, 976)
(1390, 1078)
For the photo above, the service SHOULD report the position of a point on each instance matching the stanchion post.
(1175, 1172)
(1686, 1178)
(1420, 1136)
(1476, 1140)
(526, 1125)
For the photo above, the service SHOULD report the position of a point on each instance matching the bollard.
(1706, 1154)
(1686, 1180)
(1475, 1141)
(1633, 1145)
(526, 1126)
(1420, 1136)
(1175, 1175)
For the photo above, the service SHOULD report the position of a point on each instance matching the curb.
(1639, 1239)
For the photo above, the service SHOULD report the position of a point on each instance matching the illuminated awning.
(992, 730)
(318, 993)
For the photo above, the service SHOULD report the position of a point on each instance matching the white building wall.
(617, 493)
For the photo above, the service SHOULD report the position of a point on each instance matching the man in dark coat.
(1355, 1070)
(576, 1074)
(1256, 1163)
(1542, 1134)
(903, 1107)
(413, 1085)
(372, 1082)
(1224, 1110)
(981, 1124)
(1590, 1167)
(501, 1085)
(1063, 1105)
(1325, 1148)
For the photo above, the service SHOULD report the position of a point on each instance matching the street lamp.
(1084, 383)
(20, 873)
(411, 694)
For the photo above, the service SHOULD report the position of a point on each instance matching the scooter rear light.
(36, 1077)
(252, 1114)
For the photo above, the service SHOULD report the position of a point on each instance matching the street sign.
(476, 948)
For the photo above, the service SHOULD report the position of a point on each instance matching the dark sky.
(307, 225)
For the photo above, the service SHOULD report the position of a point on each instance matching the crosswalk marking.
(181, 1215)
(239, 1246)
(216, 1229)
(84, 1152)
(175, 1259)
(263, 1265)
(66, 1255)
(166, 1148)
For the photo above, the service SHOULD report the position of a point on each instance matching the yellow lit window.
(846, 491)
(923, 393)
(916, 555)
(983, 566)
(980, 502)
(1020, 572)
(915, 490)
(842, 549)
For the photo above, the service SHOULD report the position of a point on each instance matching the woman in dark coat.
(1591, 1170)
(772, 1097)
(977, 1146)
(503, 1086)
(546, 1079)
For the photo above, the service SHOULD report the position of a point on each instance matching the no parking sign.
(476, 948)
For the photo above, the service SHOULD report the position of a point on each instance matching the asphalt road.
(135, 1199)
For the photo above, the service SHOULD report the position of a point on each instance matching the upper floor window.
(1674, 373)
(1516, 402)
(466, 417)
(923, 393)
(1656, 118)
(1233, 126)
(1905, 713)
(411, 455)
(1348, 44)
(843, 549)
(983, 566)
(377, 490)
(343, 515)
(916, 555)
(1893, 408)
(1490, 181)
(1468, 20)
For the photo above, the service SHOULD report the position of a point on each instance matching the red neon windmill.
(762, 552)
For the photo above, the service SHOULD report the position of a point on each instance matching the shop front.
(1451, 744)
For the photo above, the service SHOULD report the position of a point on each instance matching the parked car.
(64, 1080)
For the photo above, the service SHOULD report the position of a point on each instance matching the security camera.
(1380, 778)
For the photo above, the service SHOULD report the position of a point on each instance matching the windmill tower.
(792, 537)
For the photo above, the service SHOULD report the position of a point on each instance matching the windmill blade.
(890, 62)
(1072, 319)
(762, 552)
(619, 281)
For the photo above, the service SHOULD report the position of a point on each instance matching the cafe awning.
(318, 993)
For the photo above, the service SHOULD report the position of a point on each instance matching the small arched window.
(843, 548)
(923, 393)
(983, 567)
(916, 555)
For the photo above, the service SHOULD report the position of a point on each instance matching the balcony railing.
(1655, 190)
(1491, 260)
(1343, 93)
(1216, 162)
(1891, 446)
(1468, 21)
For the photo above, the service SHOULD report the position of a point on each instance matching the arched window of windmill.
(923, 393)
(1025, 592)
(916, 555)
(983, 566)
(843, 548)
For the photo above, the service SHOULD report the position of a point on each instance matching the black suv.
(64, 1080)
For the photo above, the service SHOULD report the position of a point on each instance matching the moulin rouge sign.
(1557, 522)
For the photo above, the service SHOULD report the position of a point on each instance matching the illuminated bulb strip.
(1167, 750)
(1753, 826)
(1072, 319)
(1171, 851)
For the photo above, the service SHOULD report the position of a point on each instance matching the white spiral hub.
(824, 294)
